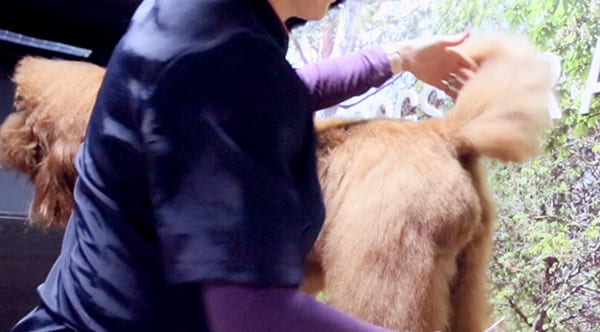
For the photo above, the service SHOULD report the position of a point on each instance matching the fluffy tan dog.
(53, 100)
(407, 237)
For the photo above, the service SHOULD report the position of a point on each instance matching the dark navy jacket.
(198, 166)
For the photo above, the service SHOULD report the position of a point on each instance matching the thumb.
(455, 39)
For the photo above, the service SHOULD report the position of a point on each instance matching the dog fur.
(53, 101)
(407, 237)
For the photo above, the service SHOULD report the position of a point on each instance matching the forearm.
(334, 80)
(245, 308)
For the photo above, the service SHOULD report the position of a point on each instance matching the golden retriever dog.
(407, 238)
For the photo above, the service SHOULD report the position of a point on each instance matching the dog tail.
(502, 111)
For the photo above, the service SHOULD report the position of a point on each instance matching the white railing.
(592, 85)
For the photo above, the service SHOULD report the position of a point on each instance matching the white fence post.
(592, 85)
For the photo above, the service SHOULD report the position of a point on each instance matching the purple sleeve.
(333, 80)
(246, 308)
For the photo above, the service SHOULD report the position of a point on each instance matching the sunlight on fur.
(407, 238)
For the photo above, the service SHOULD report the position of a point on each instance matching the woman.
(197, 198)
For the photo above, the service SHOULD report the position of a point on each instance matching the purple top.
(333, 80)
(245, 308)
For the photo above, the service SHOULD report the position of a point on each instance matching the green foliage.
(321, 296)
(545, 267)
(547, 252)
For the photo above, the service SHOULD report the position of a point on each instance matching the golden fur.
(53, 101)
(407, 236)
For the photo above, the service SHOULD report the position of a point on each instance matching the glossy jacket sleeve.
(232, 167)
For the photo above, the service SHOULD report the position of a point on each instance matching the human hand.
(434, 60)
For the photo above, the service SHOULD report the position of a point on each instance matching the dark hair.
(294, 22)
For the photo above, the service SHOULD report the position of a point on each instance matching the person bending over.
(197, 198)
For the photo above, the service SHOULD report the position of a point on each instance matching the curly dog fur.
(407, 237)
(53, 101)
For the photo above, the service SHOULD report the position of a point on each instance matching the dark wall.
(26, 254)
(14, 190)
(93, 24)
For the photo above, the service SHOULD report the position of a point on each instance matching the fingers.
(464, 74)
(443, 65)
(448, 91)
(451, 85)
(455, 79)
(464, 70)
(454, 82)
(463, 59)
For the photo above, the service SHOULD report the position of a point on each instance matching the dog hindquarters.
(398, 216)
(402, 288)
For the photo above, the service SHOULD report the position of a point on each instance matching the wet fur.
(407, 237)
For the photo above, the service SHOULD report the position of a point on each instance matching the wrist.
(399, 56)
